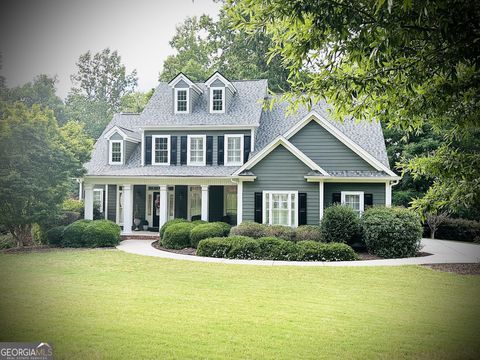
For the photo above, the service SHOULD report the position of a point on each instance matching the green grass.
(109, 304)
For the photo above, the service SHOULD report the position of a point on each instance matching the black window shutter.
(220, 150)
(209, 159)
(302, 208)
(148, 150)
(247, 143)
(336, 198)
(368, 200)
(173, 150)
(258, 207)
(183, 150)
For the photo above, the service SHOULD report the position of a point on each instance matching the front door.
(156, 209)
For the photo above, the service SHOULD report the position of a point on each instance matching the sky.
(48, 36)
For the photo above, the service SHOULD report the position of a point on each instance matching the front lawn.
(109, 304)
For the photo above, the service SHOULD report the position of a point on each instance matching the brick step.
(154, 236)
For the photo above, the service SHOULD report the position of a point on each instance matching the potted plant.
(137, 221)
(145, 225)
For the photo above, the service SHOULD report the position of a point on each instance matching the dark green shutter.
(183, 150)
(220, 150)
(247, 143)
(148, 150)
(173, 150)
(368, 200)
(336, 198)
(215, 203)
(209, 156)
(258, 207)
(181, 194)
(302, 208)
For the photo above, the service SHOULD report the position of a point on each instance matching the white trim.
(165, 180)
(142, 144)
(205, 205)
(225, 147)
(280, 140)
(269, 193)
(239, 202)
(88, 202)
(346, 179)
(118, 218)
(101, 198)
(313, 115)
(359, 193)
(127, 208)
(175, 103)
(252, 140)
(321, 195)
(204, 137)
(222, 89)
(163, 209)
(154, 137)
(106, 202)
(199, 127)
(388, 194)
(120, 132)
(110, 162)
(183, 77)
(218, 76)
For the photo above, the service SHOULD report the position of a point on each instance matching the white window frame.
(225, 146)
(110, 143)
(189, 140)
(154, 137)
(359, 193)
(223, 100)
(175, 107)
(267, 196)
(101, 198)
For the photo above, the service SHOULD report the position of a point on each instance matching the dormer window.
(181, 101)
(116, 152)
(217, 100)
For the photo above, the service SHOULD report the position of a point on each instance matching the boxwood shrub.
(272, 248)
(308, 232)
(219, 247)
(315, 251)
(204, 231)
(281, 232)
(55, 235)
(225, 227)
(177, 236)
(72, 235)
(249, 228)
(340, 223)
(101, 233)
(168, 223)
(391, 232)
(458, 229)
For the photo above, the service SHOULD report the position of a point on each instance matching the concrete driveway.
(442, 251)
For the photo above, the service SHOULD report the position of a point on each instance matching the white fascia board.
(313, 115)
(164, 180)
(122, 133)
(199, 127)
(346, 179)
(218, 76)
(280, 140)
(190, 83)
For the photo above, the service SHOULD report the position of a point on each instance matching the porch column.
(388, 194)
(127, 209)
(321, 196)
(88, 201)
(204, 215)
(163, 210)
(239, 202)
(80, 190)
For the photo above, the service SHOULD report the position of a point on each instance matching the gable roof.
(127, 134)
(184, 78)
(218, 76)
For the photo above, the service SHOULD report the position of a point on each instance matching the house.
(210, 151)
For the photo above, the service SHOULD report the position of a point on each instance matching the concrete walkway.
(442, 251)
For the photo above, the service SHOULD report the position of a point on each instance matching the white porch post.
(80, 190)
(388, 194)
(163, 210)
(239, 202)
(88, 201)
(321, 196)
(127, 208)
(204, 215)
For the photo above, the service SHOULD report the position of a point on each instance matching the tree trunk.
(432, 234)
(21, 233)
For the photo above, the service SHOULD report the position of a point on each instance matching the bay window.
(196, 150)
(353, 199)
(233, 149)
(280, 208)
(161, 150)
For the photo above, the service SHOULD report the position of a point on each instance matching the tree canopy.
(406, 63)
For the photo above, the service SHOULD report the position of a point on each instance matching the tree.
(35, 168)
(81, 145)
(204, 46)
(406, 63)
(135, 102)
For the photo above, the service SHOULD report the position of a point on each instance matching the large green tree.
(406, 63)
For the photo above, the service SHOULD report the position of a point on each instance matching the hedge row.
(272, 248)
(256, 231)
(85, 233)
(180, 233)
(457, 229)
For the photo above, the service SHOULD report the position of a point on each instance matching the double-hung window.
(233, 149)
(161, 149)
(280, 208)
(196, 150)
(98, 199)
(217, 100)
(116, 152)
(181, 101)
(353, 199)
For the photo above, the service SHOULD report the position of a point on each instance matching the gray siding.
(214, 133)
(112, 203)
(116, 136)
(376, 189)
(326, 150)
(182, 85)
(281, 170)
(129, 148)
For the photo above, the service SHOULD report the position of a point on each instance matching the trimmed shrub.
(458, 229)
(340, 223)
(225, 227)
(69, 217)
(315, 251)
(73, 205)
(177, 236)
(72, 235)
(55, 235)
(204, 231)
(199, 222)
(281, 232)
(242, 248)
(101, 233)
(250, 229)
(168, 223)
(218, 247)
(391, 232)
(272, 248)
(308, 232)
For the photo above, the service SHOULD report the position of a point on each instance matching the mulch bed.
(462, 269)
(186, 251)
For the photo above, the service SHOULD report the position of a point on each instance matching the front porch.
(153, 205)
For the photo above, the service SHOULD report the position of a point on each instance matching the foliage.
(408, 64)
(73, 132)
(392, 232)
(217, 247)
(204, 46)
(72, 234)
(101, 233)
(55, 235)
(308, 232)
(38, 234)
(204, 231)
(36, 166)
(340, 223)
(168, 223)
(135, 102)
(242, 247)
(272, 248)
(7, 241)
(316, 251)
(73, 205)
(250, 229)
(177, 236)
(434, 220)
(458, 229)
(224, 226)
(281, 232)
